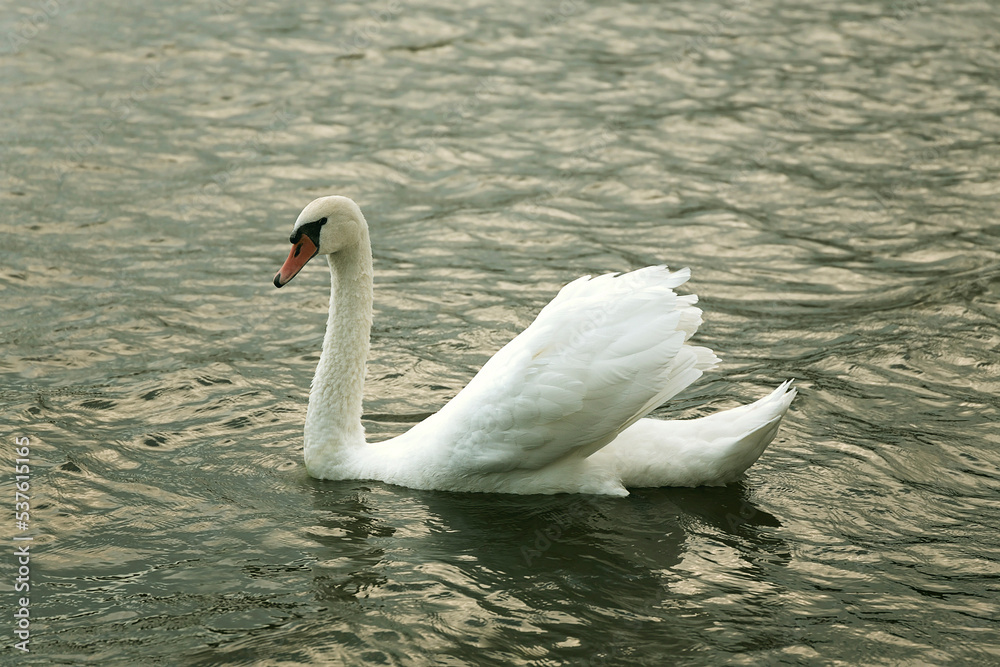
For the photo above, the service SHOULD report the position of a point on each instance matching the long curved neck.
(333, 432)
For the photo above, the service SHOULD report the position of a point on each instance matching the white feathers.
(603, 354)
(558, 409)
(712, 451)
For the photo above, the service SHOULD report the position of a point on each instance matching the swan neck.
(334, 432)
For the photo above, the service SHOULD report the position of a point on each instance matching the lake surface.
(828, 171)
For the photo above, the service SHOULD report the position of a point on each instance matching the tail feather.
(712, 451)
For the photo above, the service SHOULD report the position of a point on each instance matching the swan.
(559, 409)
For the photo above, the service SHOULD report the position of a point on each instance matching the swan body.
(559, 409)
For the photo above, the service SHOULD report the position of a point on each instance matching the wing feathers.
(602, 354)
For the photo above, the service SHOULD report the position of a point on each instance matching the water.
(829, 173)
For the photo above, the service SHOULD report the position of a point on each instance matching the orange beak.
(300, 253)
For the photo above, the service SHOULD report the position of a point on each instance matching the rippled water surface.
(827, 170)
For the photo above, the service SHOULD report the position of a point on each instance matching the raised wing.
(602, 354)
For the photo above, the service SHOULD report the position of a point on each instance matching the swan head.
(324, 227)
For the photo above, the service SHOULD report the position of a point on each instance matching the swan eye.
(308, 229)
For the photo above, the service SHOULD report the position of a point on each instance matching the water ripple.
(827, 172)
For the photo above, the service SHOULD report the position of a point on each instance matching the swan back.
(602, 354)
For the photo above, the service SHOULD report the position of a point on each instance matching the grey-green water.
(828, 171)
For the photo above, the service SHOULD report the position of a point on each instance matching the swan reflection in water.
(507, 568)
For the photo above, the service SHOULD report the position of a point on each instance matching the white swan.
(558, 409)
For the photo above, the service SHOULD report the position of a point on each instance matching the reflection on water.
(829, 173)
